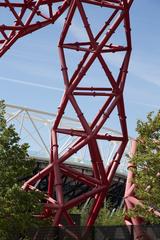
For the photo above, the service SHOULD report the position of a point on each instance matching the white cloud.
(145, 69)
(153, 106)
(31, 84)
(75, 29)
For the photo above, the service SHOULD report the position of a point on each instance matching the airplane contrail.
(30, 84)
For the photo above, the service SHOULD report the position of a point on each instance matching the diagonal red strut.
(94, 49)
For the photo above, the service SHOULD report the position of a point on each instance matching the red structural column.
(131, 201)
(90, 132)
(93, 50)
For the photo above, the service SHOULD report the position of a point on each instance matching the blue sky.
(30, 72)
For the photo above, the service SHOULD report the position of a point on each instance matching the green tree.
(147, 171)
(105, 218)
(16, 206)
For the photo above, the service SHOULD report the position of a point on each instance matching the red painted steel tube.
(85, 196)
(96, 208)
(131, 200)
(27, 28)
(104, 4)
(90, 133)
(88, 180)
(38, 176)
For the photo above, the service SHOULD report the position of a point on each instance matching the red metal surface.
(94, 49)
(131, 200)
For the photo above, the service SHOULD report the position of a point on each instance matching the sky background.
(30, 71)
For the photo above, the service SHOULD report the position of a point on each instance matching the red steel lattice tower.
(29, 16)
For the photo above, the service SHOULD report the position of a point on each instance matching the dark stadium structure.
(72, 188)
(32, 125)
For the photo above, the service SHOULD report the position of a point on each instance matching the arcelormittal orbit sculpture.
(29, 16)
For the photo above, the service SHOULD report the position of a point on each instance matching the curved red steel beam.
(27, 17)
(93, 50)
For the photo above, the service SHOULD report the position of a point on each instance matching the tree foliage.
(106, 217)
(16, 206)
(147, 171)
